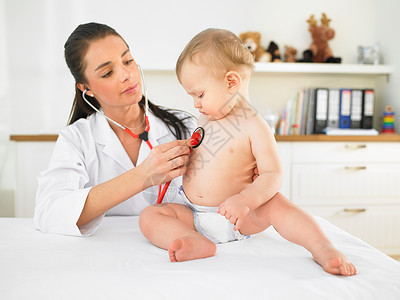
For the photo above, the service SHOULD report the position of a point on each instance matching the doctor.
(97, 168)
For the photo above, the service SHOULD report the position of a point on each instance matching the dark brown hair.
(75, 50)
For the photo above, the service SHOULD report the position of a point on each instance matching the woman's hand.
(166, 162)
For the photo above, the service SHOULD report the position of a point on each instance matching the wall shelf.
(314, 68)
(338, 138)
(279, 138)
(300, 68)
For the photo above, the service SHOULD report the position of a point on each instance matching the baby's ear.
(233, 81)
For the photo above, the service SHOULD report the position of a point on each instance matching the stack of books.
(329, 110)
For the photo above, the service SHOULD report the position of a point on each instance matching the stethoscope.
(197, 136)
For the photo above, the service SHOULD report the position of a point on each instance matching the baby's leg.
(170, 226)
(297, 226)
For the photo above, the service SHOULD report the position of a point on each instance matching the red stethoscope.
(197, 136)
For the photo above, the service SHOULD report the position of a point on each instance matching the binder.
(356, 109)
(310, 111)
(304, 111)
(345, 106)
(333, 108)
(367, 108)
(321, 110)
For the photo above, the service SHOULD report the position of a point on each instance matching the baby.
(222, 202)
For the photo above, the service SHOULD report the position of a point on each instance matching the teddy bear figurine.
(251, 39)
(320, 50)
(275, 52)
(290, 54)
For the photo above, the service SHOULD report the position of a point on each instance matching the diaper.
(211, 224)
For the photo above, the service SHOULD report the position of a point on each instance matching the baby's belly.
(213, 184)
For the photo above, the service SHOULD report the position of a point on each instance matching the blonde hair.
(229, 52)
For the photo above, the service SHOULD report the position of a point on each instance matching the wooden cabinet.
(354, 185)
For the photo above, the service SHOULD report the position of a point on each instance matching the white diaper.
(211, 224)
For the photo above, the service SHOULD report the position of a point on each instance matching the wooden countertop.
(279, 138)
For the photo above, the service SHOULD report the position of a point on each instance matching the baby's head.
(219, 49)
(214, 68)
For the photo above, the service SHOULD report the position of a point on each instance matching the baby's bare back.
(223, 165)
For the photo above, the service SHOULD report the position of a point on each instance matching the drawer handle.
(354, 147)
(355, 168)
(354, 210)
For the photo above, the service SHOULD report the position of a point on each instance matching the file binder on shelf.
(345, 108)
(367, 108)
(356, 109)
(333, 108)
(321, 110)
(310, 111)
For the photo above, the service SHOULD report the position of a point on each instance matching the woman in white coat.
(97, 168)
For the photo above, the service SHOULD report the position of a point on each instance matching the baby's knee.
(147, 215)
(152, 211)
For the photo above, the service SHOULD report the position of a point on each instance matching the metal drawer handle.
(354, 210)
(355, 168)
(354, 147)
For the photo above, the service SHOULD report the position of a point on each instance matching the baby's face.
(210, 92)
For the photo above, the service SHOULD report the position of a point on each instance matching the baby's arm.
(265, 151)
(266, 185)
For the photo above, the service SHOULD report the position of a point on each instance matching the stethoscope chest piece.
(144, 136)
(197, 137)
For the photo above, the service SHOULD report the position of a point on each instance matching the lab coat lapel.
(105, 136)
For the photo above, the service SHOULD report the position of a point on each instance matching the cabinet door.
(32, 158)
(352, 183)
(379, 226)
(346, 152)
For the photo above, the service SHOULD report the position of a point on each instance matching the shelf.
(314, 68)
(301, 68)
(34, 137)
(338, 138)
(279, 138)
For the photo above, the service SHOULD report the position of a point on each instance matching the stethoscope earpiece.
(144, 91)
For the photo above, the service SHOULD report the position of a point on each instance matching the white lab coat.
(86, 154)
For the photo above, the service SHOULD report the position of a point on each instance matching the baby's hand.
(234, 210)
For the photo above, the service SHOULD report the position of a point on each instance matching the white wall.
(36, 89)
(41, 88)
(388, 26)
(7, 184)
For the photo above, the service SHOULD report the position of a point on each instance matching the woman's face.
(111, 73)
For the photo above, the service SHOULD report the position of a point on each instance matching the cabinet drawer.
(351, 183)
(379, 226)
(346, 152)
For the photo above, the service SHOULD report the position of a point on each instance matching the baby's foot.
(189, 248)
(333, 261)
